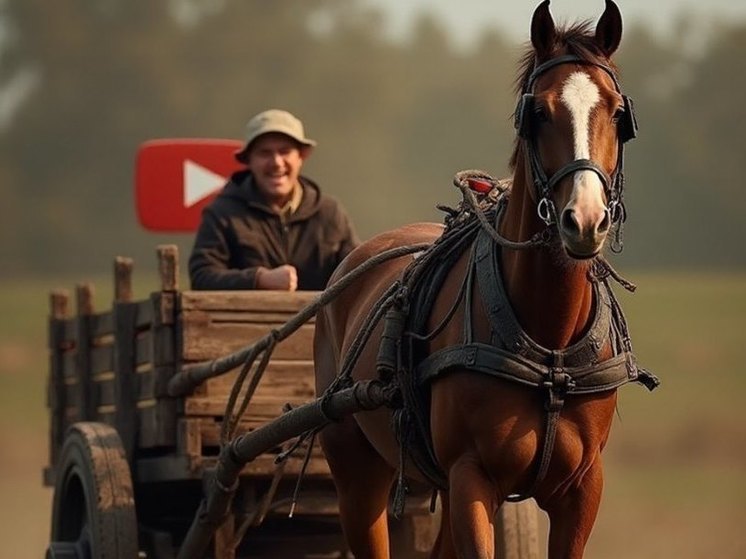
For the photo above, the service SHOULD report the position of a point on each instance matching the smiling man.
(271, 227)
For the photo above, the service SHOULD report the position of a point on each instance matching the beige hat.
(273, 120)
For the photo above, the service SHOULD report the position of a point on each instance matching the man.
(271, 227)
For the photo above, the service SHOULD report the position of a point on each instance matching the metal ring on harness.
(545, 210)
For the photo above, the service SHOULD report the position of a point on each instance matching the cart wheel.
(93, 511)
(517, 531)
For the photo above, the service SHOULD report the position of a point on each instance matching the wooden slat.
(253, 317)
(178, 467)
(69, 333)
(58, 342)
(189, 438)
(144, 314)
(293, 378)
(163, 351)
(101, 324)
(143, 348)
(68, 364)
(273, 301)
(125, 320)
(101, 359)
(197, 434)
(103, 393)
(84, 305)
(258, 411)
(145, 384)
(203, 340)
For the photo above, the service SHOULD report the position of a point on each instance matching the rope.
(192, 376)
(541, 238)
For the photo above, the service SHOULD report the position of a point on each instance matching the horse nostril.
(605, 222)
(569, 223)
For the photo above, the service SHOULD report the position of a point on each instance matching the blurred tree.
(84, 82)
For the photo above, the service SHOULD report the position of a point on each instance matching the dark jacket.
(240, 232)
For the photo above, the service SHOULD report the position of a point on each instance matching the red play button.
(175, 179)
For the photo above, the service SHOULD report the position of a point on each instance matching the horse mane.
(577, 39)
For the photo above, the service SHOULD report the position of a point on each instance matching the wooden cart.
(129, 463)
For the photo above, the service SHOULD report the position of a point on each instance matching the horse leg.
(473, 503)
(443, 546)
(572, 515)
(363, 480)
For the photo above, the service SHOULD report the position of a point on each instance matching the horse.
(520, 391)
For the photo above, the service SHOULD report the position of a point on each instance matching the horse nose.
(593, 228)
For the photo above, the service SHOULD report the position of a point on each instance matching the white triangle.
(199, 183)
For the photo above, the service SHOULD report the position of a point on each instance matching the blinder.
(523, 115)
(627, 125)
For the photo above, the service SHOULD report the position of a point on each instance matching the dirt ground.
(675, 466)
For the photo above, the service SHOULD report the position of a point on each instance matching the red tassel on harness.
(480, 186)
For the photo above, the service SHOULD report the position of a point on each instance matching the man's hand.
(283, 278)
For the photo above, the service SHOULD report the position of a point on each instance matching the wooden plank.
(291, 378)
(163, 341)
(273, 301)
(101, 324)
(70, 332)
(258, 411)
(125, 320)
(145, 384)
(84, 303)
(252, 317)
(143, 347)
(68, 362)
(144, 315)
(189, 439)
(203, 340)
(174, 467)
(58, 330)
(101, 359)
(157, 423)
(168, 267)
(104, 393)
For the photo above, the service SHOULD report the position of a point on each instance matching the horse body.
(488, 433)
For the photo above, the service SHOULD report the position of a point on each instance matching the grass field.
(675, 466)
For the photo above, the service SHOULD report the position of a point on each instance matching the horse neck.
(550, 295)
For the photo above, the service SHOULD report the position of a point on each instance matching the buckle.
(558, 383)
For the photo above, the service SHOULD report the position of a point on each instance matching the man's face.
(275, 161)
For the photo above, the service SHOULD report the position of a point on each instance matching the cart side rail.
(113, 367)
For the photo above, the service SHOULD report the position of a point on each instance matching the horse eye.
(618, 115)
(540, 114)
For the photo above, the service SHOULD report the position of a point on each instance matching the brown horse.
(525, 412)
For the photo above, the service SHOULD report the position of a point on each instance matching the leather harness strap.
(513, 356)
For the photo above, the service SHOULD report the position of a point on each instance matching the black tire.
(517, 531)
(93, 510)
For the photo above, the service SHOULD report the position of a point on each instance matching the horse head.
(572, 121)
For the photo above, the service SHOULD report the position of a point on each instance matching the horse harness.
(510, 355)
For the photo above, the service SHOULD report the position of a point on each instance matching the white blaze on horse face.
(580, 95)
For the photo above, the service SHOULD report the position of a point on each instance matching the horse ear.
(609, 29)
(543, 33)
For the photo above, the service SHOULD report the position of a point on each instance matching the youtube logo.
(176, 178)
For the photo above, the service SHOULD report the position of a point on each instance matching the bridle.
(543, 185)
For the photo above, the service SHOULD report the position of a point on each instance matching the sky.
(464, 18)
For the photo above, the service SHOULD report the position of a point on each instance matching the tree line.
(394, 120)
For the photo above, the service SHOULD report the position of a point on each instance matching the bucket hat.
(273, 120)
